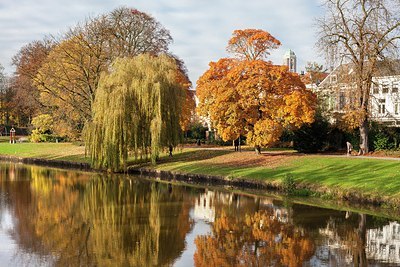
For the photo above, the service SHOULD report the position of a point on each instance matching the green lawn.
(54, 151)
(371, 177)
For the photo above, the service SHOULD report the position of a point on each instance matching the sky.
(200, 28)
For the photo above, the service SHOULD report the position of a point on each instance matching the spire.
(289, 60)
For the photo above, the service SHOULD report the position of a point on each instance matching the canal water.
(52, 217)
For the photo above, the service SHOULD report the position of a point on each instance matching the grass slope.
(52, 151)
(374, 177)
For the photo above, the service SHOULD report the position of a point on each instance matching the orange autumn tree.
(248, 95)
(189, 104)
(253, 242)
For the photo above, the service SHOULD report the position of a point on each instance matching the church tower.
(289, 60)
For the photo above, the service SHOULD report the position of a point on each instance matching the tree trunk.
(360, 256)
(258, 150)
(364, 137)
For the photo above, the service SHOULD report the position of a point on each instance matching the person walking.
(236, 144)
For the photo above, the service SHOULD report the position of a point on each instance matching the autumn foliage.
(252, 44)
(250, 96)
(61, 77)
(259, 240)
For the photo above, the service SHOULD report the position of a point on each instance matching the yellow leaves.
(188, 108)
(67, 81)
(299, 107)
(352, 119)
(265, 132)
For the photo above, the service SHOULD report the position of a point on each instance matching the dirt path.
(275, 153)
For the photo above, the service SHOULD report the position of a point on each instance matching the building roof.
(385, 68)
(345, 72)
(289, 53)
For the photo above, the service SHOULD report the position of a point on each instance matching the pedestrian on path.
(236, 143)
(349, 148)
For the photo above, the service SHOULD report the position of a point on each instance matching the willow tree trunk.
(364, 130)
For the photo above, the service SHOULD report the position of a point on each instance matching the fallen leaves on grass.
(251, 159)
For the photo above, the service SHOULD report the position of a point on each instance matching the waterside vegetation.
(361, 179)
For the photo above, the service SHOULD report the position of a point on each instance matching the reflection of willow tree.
(259, 240)
(107, 222)
(135, 223)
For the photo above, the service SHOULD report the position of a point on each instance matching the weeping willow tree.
(136, 111)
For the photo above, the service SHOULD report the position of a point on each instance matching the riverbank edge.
(315, 190)
(64, 164)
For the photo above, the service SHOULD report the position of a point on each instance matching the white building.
(204, 208)
(336, 92)
(383, 244)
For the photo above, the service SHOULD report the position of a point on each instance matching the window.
(381, 106)
(375, 89)
(395, 87)
(333, 79)
(342, 100)
(396, 108)
(385, 88)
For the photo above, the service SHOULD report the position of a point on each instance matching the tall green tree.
(137, 110)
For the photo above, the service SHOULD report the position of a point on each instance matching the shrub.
(383, 138)
(43, 131)
(288, 184)
(303, 192)
(37, 137)
(196, 131)
(43, 124)
(311, 138)
(382, 142)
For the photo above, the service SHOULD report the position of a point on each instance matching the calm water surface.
(52, 217)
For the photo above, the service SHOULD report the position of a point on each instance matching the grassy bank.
(50, 151)
(370, 178)
(339, 176)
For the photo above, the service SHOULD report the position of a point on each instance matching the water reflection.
(82, 220)
(53, 217)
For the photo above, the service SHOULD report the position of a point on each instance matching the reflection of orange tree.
(259, 240)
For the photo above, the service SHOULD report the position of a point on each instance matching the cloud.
(201, 29)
